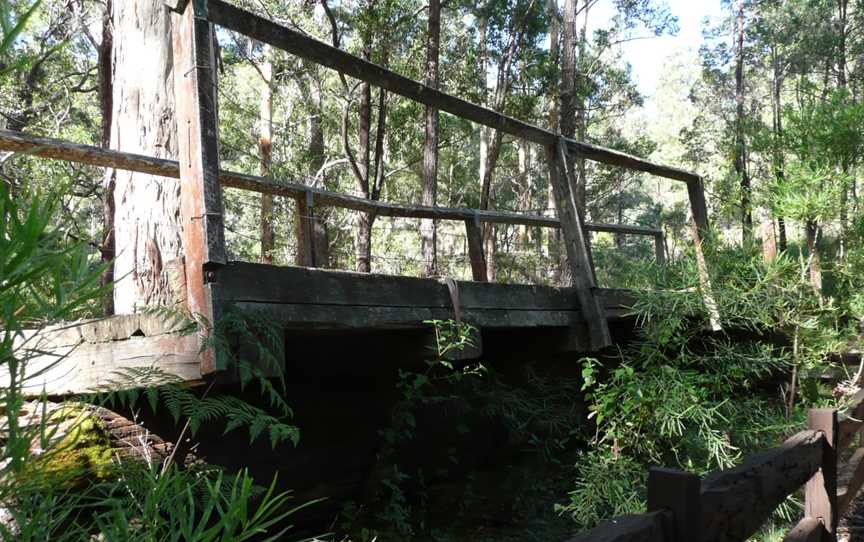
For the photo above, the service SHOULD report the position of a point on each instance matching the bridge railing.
(202, 179)
(309, 197)
(732, 505)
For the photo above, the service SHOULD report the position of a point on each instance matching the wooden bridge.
(729, 505)
(305, 297)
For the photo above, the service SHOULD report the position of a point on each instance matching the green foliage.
(76, 488)
(683, 397)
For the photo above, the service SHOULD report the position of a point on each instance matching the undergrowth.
(684, 396)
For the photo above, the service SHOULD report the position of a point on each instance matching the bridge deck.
(78, 357)
(306, 297)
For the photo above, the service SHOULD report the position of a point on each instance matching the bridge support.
(200, 192)
(576, 243)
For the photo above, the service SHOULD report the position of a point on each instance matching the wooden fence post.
(198, 142)
(304, 224)
(679, 492)
(820, 494)
(660, 249)
(475, 249)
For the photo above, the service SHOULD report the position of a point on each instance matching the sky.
(647, 56)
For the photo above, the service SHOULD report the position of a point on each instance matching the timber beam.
(56, 149)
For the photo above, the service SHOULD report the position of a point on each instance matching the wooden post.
(769, 241)
(578, 258)
(678, 491)
(305, 230)
(699, 230)
(660, 249)
(476, 254)
(820, 494)
(200, 192)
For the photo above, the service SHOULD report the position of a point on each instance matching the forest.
(729, 339)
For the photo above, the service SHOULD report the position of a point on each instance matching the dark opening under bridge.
(304, 297)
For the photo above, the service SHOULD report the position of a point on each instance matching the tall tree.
(741, 166)
(147, 226)
(428, 228)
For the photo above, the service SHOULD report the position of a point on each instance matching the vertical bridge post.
(678, 492)
(197, 131)
(576, 244)
(820, 493)
(476, 254)
(305, 229)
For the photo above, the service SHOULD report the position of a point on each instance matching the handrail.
(57, 149)
(309, 48)
(731, 505)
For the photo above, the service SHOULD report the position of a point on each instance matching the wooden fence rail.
(307, 197)
(731, 505)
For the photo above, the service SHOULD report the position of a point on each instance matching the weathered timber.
(698, 206)
(305, 230)
(854, 471)
(304, 46)
(820, 494)
(660, 249)
(851, 421)
(242, 281)
(81, 357)
(198, 133)
(367, 317)
(576, 245)
(651, 527)
(736, 502)
(677, 492)
(476, 254)
(807, 530)
(321, 298)
(57, 149)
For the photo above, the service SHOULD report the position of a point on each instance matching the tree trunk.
(842, 83)
(310, 84)
(147, 221)
(364, 220)
(428, 230)
(740, 144)
(562, 269)
(777, 114)
(812, 233)
(265, 146)
(106, 95)
(572, 107)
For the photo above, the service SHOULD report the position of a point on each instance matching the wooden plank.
(854, 471)
(304, 230)
(84, 367)
(698, 206)
(57, 149)
(304, 46)
(738, 501)
(678, 492)
(649, 527)
(476, 254)
(200, 192)
(820, 495)
(242, 281)
(576, 244)
(301, 316)
(660, 249)
(261, 283)
(807, 530)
